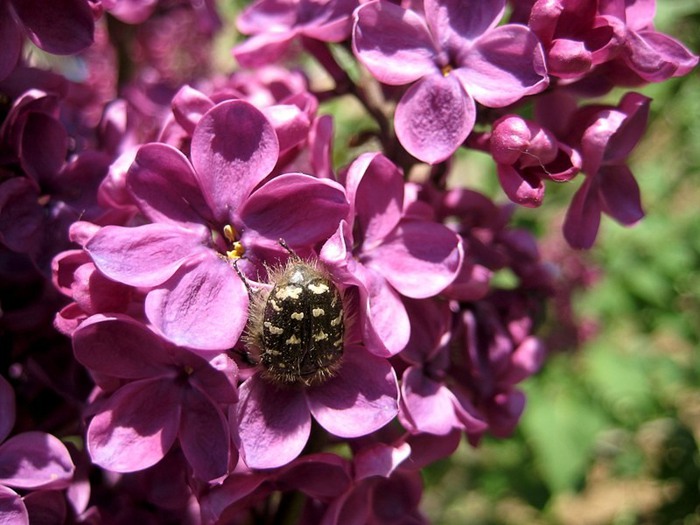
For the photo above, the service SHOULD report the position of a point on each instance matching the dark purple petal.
(273, 424)
(300, 209)
(627, 136)
(44, 147)
(583, 216)
(10, 41)
(218, 379)
(34, 460)
(145, 255)
(620, 195)
(234, 147)
(414, 250)
(12, 509)
(62, 27)
(204, 436)
(136, 426)
(503, 66)
(360, 399)
(204, 305)
(434, 117)
(7, 408)
(46, 507)
(164, 185)
(118, 346)
(21, 218)
(322, 475)
(376, 212)
(393, 43)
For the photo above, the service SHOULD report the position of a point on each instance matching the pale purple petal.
(434, 117)
(34, 460)
(118, 346)
(386, 327)
(376, 212)
(380, 460)
(295, 207)
(620, 195)
(145, 255)
(204, 305)
(7, 408)
(416, 249)
(393, 43)
(234, 147)
(361, 398)
(164, 186)
(12, 510)
(503, 66)
(456, 24)
(204, 436)
(656, 57)
(262, 49)
(291, 124)
(273, 424)
(61, 27)
(136, 426)
(428, 404)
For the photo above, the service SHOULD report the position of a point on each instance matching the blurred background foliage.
(611, 431)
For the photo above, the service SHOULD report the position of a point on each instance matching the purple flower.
(273, 423)
(526, 155)
(30, 460)
(456, 55)
(61, 27)
(608, 136)
(154, 393)
(276, 24)
(205, 215)
(387, 253)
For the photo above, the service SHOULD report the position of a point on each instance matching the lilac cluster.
(146, 204)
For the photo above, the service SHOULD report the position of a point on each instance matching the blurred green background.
(611, 431)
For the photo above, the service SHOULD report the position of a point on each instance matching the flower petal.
(204, 436)
(503, 66)
(136, 426)
(427, 404)
(204, 305)
(415, 249)
(298, 208)
(10, 41)
(620, 195)
(361, 398)
(234, 147)
(393, 43)
(34, 460)
(145, 255)
(12, 509)
(454, 26)
(583, 216)
(164, 185)
(273, 424)
(61, 27)
(119, 346)
(7, 408)
(434, 117)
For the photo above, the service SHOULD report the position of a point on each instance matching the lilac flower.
(30, 460)
(273, 423)
(162, 393)
(61, 27)
(456, 55)
(205, 214)
(607, 137)
(276, 24)
(526, 155)
(387, 253)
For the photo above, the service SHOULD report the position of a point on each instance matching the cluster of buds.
(223, 323)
